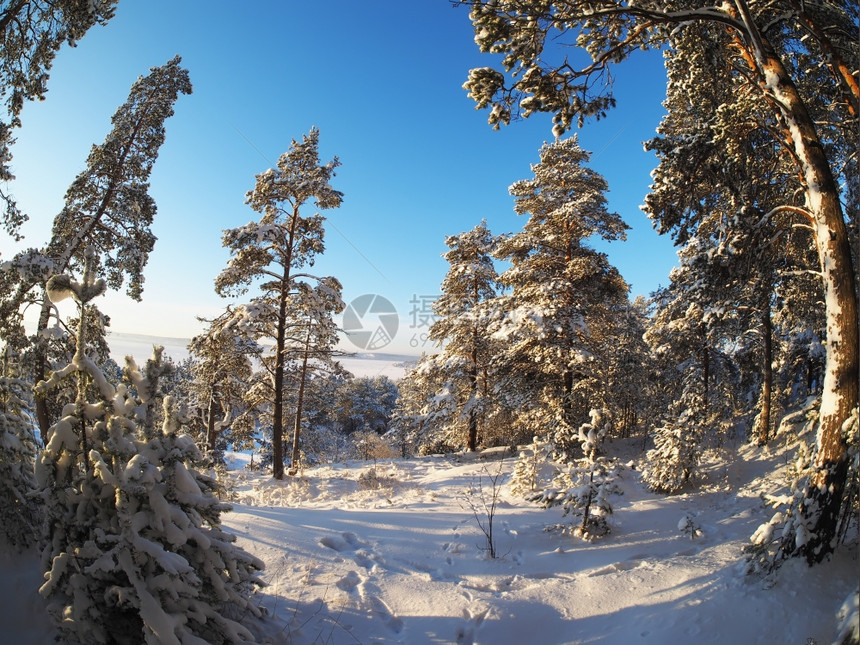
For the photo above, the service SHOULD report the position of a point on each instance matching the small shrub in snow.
(526, 476)
(368, 445)
(373, 479)
(483, 501)
(688, 526)
(437, 447)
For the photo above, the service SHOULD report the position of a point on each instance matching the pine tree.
(221, 373)
(556, 322)
(19, 510)
(583, 486)
(460, 328)
(797, 61)
(135, 550)
(108, 207)
(31, 34)
(273, 249)
(526, 476)
(315, 308)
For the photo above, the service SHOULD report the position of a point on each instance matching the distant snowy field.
(361, 364)
(391, 553)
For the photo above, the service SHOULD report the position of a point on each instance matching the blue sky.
(382, 81)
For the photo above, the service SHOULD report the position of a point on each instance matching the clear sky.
(382, 81)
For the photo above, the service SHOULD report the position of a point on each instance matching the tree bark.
(278, 403)
(762, 430)
(839, 399)
(297, 426)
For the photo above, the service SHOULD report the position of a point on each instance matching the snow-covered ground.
(391, 553)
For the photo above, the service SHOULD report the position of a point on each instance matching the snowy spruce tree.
(461, 329)
(796, 61)
(273, 250)
(556, 323)
(20, 512)
(135, 550)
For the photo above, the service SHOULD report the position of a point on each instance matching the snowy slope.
(392, 554)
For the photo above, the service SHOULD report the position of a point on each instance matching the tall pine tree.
(273, 250)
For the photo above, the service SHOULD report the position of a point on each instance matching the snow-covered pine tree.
(630, 389)
(107, 207)
(556, 323)
(721, 182)
(315, 332)
(135, 549)
(365, 403)
(694, 408)
(460, 328)
(409, 416)
(796, 61)
(31, 34)
(221, 373)
(20, 512)
(677, 451)
(273, 250)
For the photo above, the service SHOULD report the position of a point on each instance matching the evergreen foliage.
(19, 510)
(135, 550)
(583, 486)
(555, 325)
(289, 311)
(789, 108)
(31, 34)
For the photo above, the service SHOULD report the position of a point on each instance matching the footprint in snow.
(346, 541)
(466, 633)
(349, 582)
(378, 607)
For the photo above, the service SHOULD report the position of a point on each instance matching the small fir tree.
(582, 488)
(526, 476)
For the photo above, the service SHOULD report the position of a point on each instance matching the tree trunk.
(706, 367)
(839, 399)
(473, 392)
(567, 401)
(278, 403)
(297, 426)
(210, 421)
(762, 430)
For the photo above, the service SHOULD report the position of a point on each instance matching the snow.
(391, 553)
